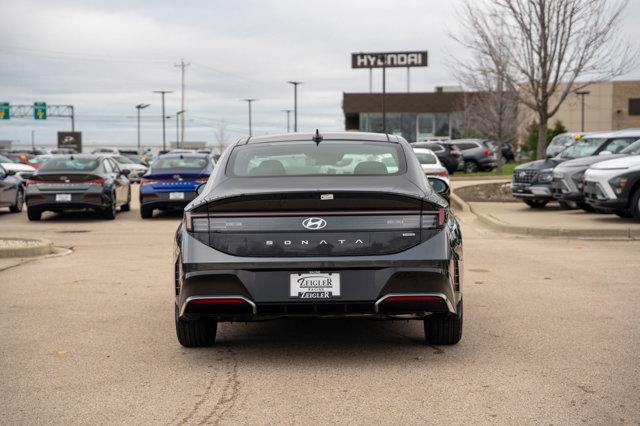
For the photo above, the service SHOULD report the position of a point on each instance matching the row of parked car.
(468, 155)
(102, 182)
(593, 171)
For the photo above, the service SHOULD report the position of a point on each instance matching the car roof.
(350, 136)
(423, 151)
(183, 155)
(82, 156)
(627, 133)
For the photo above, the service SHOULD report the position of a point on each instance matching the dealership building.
(610, 105)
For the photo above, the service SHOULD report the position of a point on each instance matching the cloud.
(105, 57)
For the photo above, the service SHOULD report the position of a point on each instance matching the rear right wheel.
(33, 214)
(146, 212)
(635, 204)
(196, 333)
(444, 329)
(536, 204)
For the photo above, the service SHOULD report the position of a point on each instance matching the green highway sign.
(40, 110)
(4, 111)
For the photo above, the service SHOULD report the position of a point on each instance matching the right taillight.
(434, 219)
(486, 152)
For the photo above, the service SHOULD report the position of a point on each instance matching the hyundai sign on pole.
(389, 59)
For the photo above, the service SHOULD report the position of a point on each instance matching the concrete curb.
(36, 247)
(496, 224)
(463, 178)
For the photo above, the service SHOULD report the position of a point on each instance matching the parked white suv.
(614, 185)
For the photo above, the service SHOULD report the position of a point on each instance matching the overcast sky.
(104, 57)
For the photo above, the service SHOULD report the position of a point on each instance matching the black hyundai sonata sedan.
(333, 225)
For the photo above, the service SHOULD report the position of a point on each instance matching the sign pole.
(384, 93)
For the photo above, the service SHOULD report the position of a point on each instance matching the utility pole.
(182, 65)
(288, 111)
(295, 103)
(249, 101)
(582, 94)
(178, 141)
(164, 124)
(138, 108)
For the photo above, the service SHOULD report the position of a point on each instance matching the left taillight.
(196, 222)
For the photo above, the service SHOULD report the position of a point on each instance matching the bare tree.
(547, 45)
(490, 108)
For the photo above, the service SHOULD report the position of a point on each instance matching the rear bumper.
(162, 200)
(47, 201)
(403, 285)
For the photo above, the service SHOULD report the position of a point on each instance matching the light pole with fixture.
(295, 103)
(164, 127)
(138, 108)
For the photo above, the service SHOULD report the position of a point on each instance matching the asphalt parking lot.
(551, 336)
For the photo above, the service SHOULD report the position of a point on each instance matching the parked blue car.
(172, 180)
(11, 190)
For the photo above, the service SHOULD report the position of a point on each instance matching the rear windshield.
(582, 148)
(306, 158)
(181, 163)
(426, 158)
(69, 165)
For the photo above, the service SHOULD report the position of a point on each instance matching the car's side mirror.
(11, 172)
(125, 172)
(199, 188)
(440, 186)
(605, 153)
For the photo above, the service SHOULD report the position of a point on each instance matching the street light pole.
(287, 111)
(295, 103)
(138, 108)
(178, 140)
(164, 124)
(582, 94)
(249, 101)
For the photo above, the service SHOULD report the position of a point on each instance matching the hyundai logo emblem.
(314, 223)
(522, 174)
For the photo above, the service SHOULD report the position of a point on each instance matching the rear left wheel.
(17, 207)
(110, 212)
(444, 329)
(126, 207)
(196, 333)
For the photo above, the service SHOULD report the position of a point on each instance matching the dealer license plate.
(176, 195)
(314, 285)
(61, 198)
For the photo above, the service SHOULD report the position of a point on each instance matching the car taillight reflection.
(486, 152)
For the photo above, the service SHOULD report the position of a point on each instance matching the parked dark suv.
(478, 154)
(532, 182)
(335, 225)
(448, 154)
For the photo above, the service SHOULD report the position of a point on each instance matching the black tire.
(33, 214)
(623, 214)
(110, 212)
(634, 207)
(444, 329)
(146, 212)
(536, 204)
(17, 207)
(196, 333)
(127, 207)
(471, 166)
(585, 206)
(567, 205)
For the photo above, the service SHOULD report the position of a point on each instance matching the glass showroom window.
(442, 124)
(408, 126)
(425, 127)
